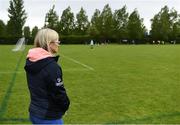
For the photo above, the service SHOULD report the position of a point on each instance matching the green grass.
(129, 84)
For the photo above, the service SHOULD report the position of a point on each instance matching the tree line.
(104, 27)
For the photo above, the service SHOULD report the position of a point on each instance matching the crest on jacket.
(59, 82)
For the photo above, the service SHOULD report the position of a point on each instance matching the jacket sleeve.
(56, 90)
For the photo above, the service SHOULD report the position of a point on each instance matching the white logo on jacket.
(59, 82)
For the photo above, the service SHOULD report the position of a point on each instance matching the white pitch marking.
(75, 61)
(73, 69)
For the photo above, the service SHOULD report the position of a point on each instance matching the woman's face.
(54, 46)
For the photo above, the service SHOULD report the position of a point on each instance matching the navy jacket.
(49, 99)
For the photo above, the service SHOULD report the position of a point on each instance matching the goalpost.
(20, 45)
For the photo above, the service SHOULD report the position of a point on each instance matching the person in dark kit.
(49, 100)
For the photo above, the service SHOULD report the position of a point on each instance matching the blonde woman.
(49, 100)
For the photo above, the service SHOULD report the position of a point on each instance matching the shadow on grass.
(146, 119)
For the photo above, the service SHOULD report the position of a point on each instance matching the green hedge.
(80, 39)
(64, 39)
(74, 39)
(8, 40)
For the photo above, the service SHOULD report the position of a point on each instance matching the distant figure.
(92, 44)
(133, 42)
(173, 42)
(163, 42)
(49, 100)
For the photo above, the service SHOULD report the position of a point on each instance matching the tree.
(120, 19)
(2, 29)
(107, 23)
(165, 25)
(165, 28)
(66, 25)
(176, 30)
(135, 27)
(155, 34)
(34, 31)
(175, 34)
(95, 25)
(17, 17)
(51, 19)
(175, 25)
(27, 32)
(82, 22)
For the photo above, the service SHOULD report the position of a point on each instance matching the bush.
(13, 40)
(8, 40)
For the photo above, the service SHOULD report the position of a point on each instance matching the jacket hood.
(36, 54)
(37, 59)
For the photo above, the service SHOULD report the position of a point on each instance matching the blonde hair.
(44, 37)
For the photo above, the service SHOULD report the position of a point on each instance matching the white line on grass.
(73, 69)
(71, 59)
(75, 61)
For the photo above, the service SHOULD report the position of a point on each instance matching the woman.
(49, 100)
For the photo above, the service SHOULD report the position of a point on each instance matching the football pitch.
(106, 85)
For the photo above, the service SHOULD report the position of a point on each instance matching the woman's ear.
(50, 48)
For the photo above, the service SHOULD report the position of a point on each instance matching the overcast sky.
(36, 9)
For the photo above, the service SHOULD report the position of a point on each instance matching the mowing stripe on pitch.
(9, 89)
(15, 120)
(69, 69)
(10, 72)
(75, 61)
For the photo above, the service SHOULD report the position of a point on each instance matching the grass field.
(107, 84)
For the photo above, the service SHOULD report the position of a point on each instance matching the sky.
(37, 9)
